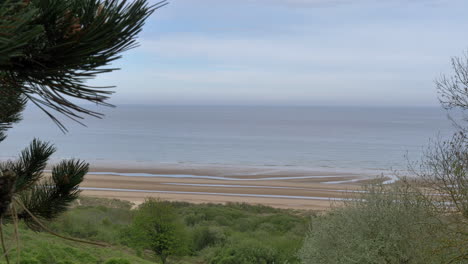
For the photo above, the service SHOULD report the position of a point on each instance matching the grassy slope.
(39, 247)
(217, 234)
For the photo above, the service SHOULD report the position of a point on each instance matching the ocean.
(316, 137)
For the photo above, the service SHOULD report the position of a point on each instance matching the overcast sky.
(301, 52)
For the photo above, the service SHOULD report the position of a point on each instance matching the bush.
(207, 236)
(383, 225)
(156, 227)
(117, 261)
(248, 251)
(257, 247)
(29, 261)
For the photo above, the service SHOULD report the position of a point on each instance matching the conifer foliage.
(49, 49)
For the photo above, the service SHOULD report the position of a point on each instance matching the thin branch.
(37, 221)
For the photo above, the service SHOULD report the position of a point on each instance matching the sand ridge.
(294, 189)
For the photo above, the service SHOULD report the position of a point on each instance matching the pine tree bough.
(49, 49)
(46, 196)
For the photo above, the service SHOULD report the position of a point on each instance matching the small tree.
(157, 227)
(444, 170)
(453, 93)
(405, 223)
(444, 166)
(453, 90)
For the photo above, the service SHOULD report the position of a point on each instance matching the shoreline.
(294, 189)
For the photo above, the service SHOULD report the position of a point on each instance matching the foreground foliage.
(374, 228)
(233, 233)
(42, 248)
(49, 50)
(36, 196)
(386, 224)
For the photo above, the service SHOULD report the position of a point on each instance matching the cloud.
(367, 53)
(332, 3)
(244, 86)
(356, 49)
(306, 3)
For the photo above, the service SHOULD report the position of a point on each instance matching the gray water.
(345, 138)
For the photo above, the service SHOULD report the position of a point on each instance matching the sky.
(292, 52)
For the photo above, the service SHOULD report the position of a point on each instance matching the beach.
(280, 188)
(282, 156)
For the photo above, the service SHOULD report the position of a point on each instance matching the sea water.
(316, 137)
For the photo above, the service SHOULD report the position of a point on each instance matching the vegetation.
(48, 50)
(232, 233)
(157, 227)
(422, 219)
(386, 224)
(39, 248)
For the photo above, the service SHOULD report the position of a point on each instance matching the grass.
(232, 233)
(39, 247)
(386, 224)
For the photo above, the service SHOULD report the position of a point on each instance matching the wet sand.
(281, 188)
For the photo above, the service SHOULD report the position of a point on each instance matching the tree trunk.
(7, 185)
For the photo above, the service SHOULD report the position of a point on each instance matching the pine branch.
(51, 197)
(80, 39)
(16, 31)
(31, 163)
(12, 103)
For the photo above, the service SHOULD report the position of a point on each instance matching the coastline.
(291, 188)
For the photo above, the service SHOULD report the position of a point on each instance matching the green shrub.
(247, 252)
(207, 236)
(117, 261)
(29, 261)
(193, 219)
(223, 220)
(156, 227)
(383, 225)
(267, 227)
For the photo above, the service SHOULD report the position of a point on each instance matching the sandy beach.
(281, 188)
